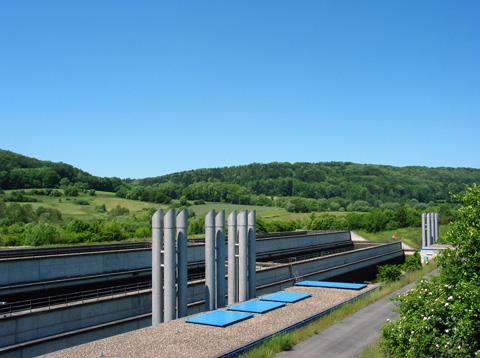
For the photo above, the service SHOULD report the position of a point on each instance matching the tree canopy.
(440, 317)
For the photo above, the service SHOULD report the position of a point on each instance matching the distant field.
(264, 211)
(70, 208)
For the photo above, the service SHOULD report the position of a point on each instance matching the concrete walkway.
(347, 338)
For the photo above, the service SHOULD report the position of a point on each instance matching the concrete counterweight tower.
(430, 228)
(169, 260)
(241, 258)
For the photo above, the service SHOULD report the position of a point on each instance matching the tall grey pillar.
(432, 228)
(424, 230)
(220, 244)
(437, 227)
(232, 250)
(157, 270)
(252, 255)
(429, 229)
(170, 296)
(210, 290)
(182, 242)
(242, 256)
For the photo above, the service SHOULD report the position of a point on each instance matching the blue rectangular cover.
(348, 286)
(256, 306)
(219, 318)
(289, 297)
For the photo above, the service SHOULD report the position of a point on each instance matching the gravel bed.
(180, 339)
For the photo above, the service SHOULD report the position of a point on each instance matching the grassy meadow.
(99, 207)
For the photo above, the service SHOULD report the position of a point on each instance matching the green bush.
(71, 191)
(389, 273)
(439, 317)
(412, 263)
(118, 211)
(41, 233)
(111, 231)
(78, 226)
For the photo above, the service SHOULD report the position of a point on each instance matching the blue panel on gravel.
(347, 286)
(256, 306)
(289, 297)
(219, 318)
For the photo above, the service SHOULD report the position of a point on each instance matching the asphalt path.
(348, 337)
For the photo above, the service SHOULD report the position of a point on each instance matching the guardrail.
(312, 256)
(69, 250)
(7, 309)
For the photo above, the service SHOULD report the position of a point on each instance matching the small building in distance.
(430, 252)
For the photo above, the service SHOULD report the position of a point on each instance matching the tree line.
(21, 172)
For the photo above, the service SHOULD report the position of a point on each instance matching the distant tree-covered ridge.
(21, 172)
(333, 185)
(297, 187)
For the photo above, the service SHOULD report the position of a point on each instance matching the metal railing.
(312, 256)
(69, 250)
(50, 302)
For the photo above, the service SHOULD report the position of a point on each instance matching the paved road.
(348, 337)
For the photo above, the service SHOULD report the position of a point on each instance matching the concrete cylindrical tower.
(242, 256)
(252, 255)
(157, 270)
(232, 250)
(170, 297)
(220, 244)
(210, 291)
(429, 229)
(182, 228)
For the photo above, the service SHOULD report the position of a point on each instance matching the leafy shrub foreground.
(440, 317)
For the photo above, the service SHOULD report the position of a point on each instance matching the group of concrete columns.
(169, 266)
(430, 229)
(169, 262)
(241, 256)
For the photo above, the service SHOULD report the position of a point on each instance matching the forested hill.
(349, 181)
(20, 172)
(297, 187)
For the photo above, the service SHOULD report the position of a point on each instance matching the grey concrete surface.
(347, 338)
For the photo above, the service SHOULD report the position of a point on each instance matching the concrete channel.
(44, 330)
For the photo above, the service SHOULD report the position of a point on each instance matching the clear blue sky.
(136, 89)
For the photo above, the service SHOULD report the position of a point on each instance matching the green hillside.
(297, 187)
(42, 202)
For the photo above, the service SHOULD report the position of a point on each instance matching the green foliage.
(118, 211)
(183, 201)
(41, 233)
(19, 197)
(196, 226)
(357, 184)
(439, 318)
(290, 207)
(21, 172)
(71, 191)
(412, 263)
(389, 273)
(78, 226)
(463, 263)
(20, 213)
